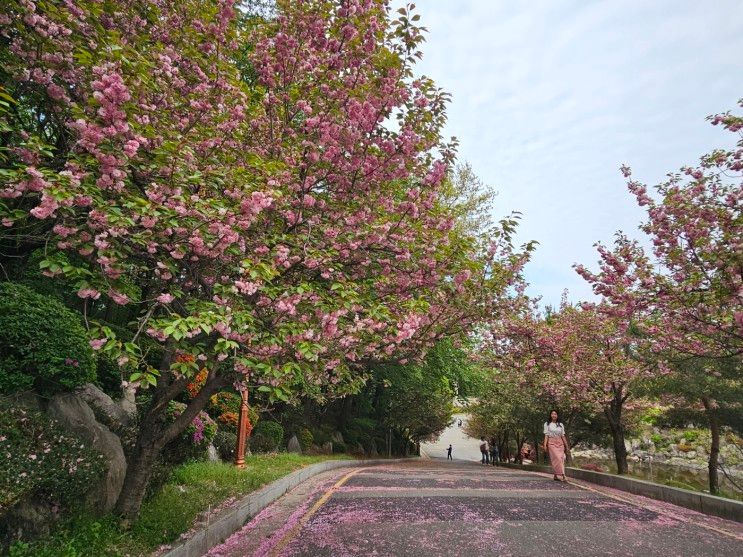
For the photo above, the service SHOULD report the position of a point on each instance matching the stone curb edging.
(694, 500)
(231, 520)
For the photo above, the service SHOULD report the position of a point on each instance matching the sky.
(551, 97)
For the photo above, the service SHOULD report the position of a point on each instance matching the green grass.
(192, 489)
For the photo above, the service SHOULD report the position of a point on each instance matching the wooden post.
(242, 429)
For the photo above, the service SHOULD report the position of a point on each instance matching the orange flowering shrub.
(194, 386)
(228, 420)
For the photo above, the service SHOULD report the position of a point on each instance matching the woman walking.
(556, 444)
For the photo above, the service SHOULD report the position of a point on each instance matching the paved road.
(438, 508)
(463, 446)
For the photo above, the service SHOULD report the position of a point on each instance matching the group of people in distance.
(555, 444)
(489, 451)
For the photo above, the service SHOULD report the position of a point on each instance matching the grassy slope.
(193, 489)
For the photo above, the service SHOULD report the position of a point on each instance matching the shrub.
(651, 416)
(225, 406)
(42, 460)
(199, 379)
(224, 401)
(225, 443)
(322, 434)
(43, 345)
(192, 444)
(691, 435)
(339, 448)
(659, 441)
(267, 436)
(108, 375)
(306, 439)
(228, 421)
(359, 431)
(200, 431)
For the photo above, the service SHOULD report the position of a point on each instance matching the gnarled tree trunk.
(154, 434)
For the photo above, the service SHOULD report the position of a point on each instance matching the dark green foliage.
(41, 460)
(108, 376)
(267, 436)
(339, 448)
(305, 438)
(225, 443)
(43, 345)
(162, 471)
(322, 434)
(194, 441)
(81, 535)
(360, 430)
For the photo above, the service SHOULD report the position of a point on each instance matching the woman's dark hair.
(549, 417)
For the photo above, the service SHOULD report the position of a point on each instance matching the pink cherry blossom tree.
(686, 299)
(239, 185)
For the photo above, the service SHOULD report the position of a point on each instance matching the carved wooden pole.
(242, 429)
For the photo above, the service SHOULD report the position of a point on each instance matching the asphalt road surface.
(431, 507)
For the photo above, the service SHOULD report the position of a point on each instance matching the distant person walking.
(556, 444)
(484, 451)
(448, 453)
(493, 452)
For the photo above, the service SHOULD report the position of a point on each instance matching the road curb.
(222, 526)
(694, 500)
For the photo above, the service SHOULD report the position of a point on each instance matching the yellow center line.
(292, 533)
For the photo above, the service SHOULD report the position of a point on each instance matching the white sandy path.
(463, 447)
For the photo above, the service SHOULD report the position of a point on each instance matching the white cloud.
(550, 98)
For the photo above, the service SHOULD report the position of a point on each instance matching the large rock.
(293, 446)
(337, 437)
(74, 414)
(373, 452)
(29, 519)
(327, 447)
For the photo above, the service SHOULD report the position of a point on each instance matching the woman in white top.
(556, 444)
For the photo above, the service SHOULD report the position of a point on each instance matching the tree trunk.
(614, 414)
(714, 450)
(138, 474)
(154, 434)
(519, 445)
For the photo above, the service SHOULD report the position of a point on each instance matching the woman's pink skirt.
(557, 455)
